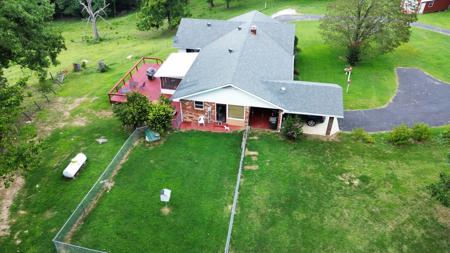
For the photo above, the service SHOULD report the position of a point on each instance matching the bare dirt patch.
(7, 196)
(166, 210)
(349, 179)
(103, 113)
(443, 215)
(49, 214)
(59, 112)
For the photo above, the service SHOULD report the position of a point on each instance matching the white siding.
(231, 96)
(321, 129)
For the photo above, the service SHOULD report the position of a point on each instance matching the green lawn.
(439, 19)
(80, 111)
(47, 199)
(200, 169)
(374, 80)
(295, 201)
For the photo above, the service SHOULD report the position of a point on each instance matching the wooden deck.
(136, 80)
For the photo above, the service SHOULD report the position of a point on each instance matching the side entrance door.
(221, 112)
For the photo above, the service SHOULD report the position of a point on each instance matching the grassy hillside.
(373, 81)
(80, 111)
(439, 19)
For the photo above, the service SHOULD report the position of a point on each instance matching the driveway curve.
(419, 98)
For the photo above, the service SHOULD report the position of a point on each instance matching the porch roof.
(176, 65)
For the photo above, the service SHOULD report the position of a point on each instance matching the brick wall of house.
(190, 114)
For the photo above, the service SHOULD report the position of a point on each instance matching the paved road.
(420, 98)
(431, 28)
(309, 17)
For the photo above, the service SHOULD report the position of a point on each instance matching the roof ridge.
(309, 83)
(240, 53)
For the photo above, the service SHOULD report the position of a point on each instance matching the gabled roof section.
(252, 58)
(231, 55)
(301, 97)
(197, 33)
(254, 16)
(242, 58)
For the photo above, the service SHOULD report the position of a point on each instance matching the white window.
(236, 112)
(430, 4)
(198, 105)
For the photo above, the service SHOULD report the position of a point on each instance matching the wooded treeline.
(72, 8)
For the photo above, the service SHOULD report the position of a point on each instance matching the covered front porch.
(209, 127)
(264, 118)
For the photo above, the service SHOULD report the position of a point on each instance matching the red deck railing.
(114, 91)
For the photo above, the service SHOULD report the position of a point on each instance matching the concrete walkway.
(420, 98)
(312, 17)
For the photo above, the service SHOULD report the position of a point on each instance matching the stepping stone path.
(254, 156)
(251, 167)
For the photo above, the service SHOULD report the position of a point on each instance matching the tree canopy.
(28, 41)
(366, 26)
(134, 112)
(154, 13)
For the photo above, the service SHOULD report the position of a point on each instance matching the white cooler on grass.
(75, 165)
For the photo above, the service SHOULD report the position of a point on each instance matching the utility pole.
(348, 73)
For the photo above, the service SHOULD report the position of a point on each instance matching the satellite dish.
(165, 195)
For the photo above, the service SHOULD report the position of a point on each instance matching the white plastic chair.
(201, 120)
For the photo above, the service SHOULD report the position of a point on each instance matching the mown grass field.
(47, 200)
(374, 81)
(439, 19)
(200, 168)
(80, 111)
(295, 201)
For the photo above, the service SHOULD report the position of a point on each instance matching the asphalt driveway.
(419, 98)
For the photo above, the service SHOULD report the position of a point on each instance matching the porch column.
(330, 125)
(247, 115)
(280, 119)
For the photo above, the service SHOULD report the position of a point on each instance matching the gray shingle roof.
(304, 97)
(254, 59)
(195, 33)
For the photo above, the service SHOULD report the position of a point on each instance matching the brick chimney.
(253, 29)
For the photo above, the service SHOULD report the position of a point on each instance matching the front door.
(221, 112)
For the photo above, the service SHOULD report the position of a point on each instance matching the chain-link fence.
(104, 182)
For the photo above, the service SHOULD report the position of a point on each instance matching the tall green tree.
(26, 40)
(211, 3)
(366, 27)
(154, 13)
